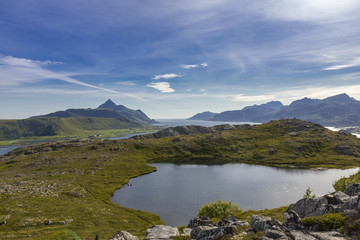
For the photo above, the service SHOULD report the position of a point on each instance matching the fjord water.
(6, 149)
(176, 192)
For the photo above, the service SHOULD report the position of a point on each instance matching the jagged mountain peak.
(108, 104)
(341, 98)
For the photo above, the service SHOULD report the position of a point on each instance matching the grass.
(73, 180)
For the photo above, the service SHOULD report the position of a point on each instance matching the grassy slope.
(48, 126)
(74, 180)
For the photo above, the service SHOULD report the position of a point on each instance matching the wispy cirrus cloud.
(166, 76)
(190, 66)
(163, 87)
(18, 71)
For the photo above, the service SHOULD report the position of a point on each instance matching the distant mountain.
(255, 113)
(74, 121)
(340, 110)
(203, 116)
(106, 110)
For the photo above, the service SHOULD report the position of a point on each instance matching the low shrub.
(219, 209)
(325, 222)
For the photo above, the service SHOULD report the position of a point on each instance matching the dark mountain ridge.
(339, 111)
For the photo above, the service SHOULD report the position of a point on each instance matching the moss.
(325, 222)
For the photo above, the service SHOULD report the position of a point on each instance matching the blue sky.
(173, 59)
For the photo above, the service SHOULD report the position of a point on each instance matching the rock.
(3, 222)
(218, 233)
(122, 235)
(292, 219)
(185, 232)
(161, 232)
(353, 189)
(201, 221)
(258, 222)
(327, 235)
(275, 234)
(195, 232)
(329, 203)
(298, 235)
(352, 204)
(62, 223)
(48, 222)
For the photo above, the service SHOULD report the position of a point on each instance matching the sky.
(173, 59)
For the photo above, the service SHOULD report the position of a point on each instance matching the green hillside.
(73, 181)
(50, 126)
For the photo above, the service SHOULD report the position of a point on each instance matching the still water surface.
(176, 192)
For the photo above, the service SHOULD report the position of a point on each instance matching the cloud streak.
(18, 71)
(166, 76)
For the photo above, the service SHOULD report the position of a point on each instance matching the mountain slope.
(339, 110)
(50, 126)
(203, 116)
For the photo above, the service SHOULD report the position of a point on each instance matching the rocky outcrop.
(187, 130)
(161, 232)
(328, 203)
(353, 189)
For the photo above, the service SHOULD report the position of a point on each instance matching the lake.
(176, 192)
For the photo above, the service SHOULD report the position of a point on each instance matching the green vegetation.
(342, 183)
(308, 194)
(276, 213)
(219, 209)
(325, 222)
(72, 181)
(57, 127)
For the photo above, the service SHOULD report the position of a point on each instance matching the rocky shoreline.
(307, 219)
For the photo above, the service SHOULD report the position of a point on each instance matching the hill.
(74, 121)
(73, 181)
(339, 111)
(203, 116)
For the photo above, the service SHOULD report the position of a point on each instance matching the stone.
(353, 189)
(123, 235)
(186, 232)
(200, 221)
(195, 231)
(352, 204)
(292, 218)
(259, 222)
(218, 233)
(161, 232)
(298, 235)
(62, 223)
(275, 234)
(48, 222)
(328, 203)
(327, 235)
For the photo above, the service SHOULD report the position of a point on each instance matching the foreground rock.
(122, 235)
(161, 232)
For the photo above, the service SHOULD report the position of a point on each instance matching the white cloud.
(202, 90)
(17, 71)
(337, 67)
(255, 98)
(205, 64)
(189, 66)
(166, 76)
(161, 86)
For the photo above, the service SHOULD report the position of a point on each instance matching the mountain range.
(74, 121)
(338, 111)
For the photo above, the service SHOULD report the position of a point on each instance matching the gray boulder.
(218, 233)
(275, 234)
(200, 221)
(328, 203)
(353, 189)
(161, 232)
(292, 219)
(185, 232)
(123, 235)
(352, 204)
(195, 232)
(259, 222)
